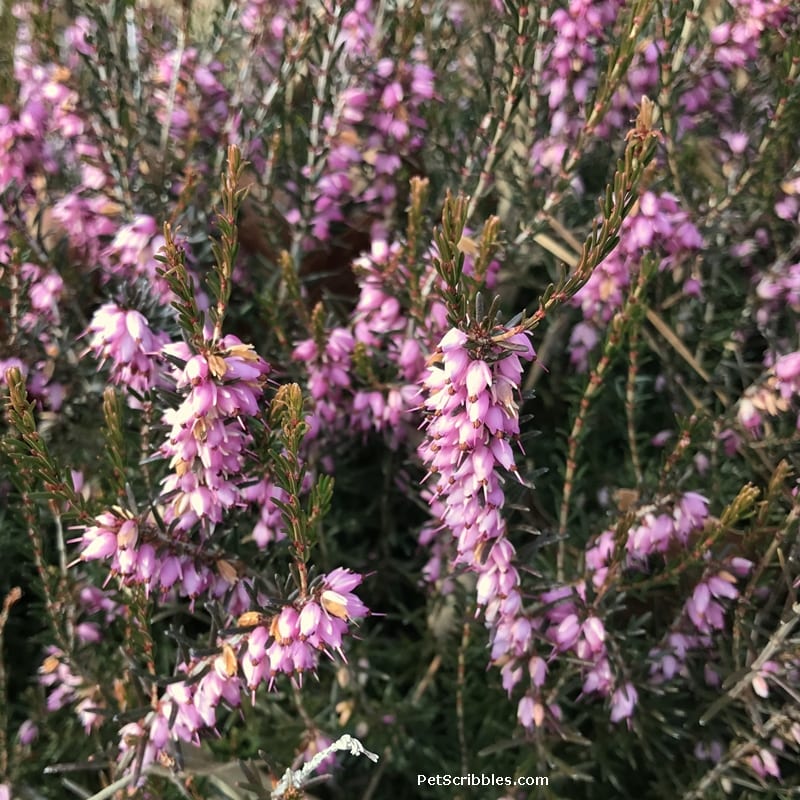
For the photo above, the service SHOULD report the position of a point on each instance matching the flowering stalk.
(472, 419)
(622, 321)
(653, 534)
(522, 30)
(621, 196)
(174, 272)
(260, 648)
(313, 134)
(286, 414)
(774, 129)
(29, 451)
(227, 247)
(35, 467)
(124, 337)
(449, 261)
(634, 20)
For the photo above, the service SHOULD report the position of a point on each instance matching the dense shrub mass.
(416, 380)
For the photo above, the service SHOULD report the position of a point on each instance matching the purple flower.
(28, 733)
(207, 441)
(124, 338)
(623, 702)
(764, 764)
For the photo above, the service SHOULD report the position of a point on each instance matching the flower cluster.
(564, 617)
(69, 688)
(192, 105)
(366, 376)
(701, 616)
(565, 620)
(376, 124)
(207, 440)
(32, 134)
(657, 225)
(287, 642)
(733, 45)
(329, 374)
(141, 553)
(472, 419)
(570, 76)
(44, 292)
(206, 448)
(788, 205)
(656, 529)
(387, 337)
(124, 338)
(130, 255)
(263, 495)
(778, 288)
(572, 55)
(772, 396)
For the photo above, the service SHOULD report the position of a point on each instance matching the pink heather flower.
(116, 538)
(384, 336)
(131, 253)
(654, 533)
(657, 224)
(472, 412)
(703, 608)
(337, 598)
(289, 643)
(44, 294)
(67, 688)
(537, 668)
(567, 632)
(690, 514)
(740, 566)
(78, 35)
(764, 764)
(759, 682)
(28, 733)
(530, 712)
(100, 540)
(382, 110)
(124, 338)
(583, 339)
(329, 374)
(594, 634)
(599, 555)
(704, 611)
(88, 632)
(130, 736)
(511, 675)
(207, 441)
(599, 678)
(270, 527)
(787, 371)
(623, 702)
(712, 752)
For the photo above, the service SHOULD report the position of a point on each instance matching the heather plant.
(399, 391)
